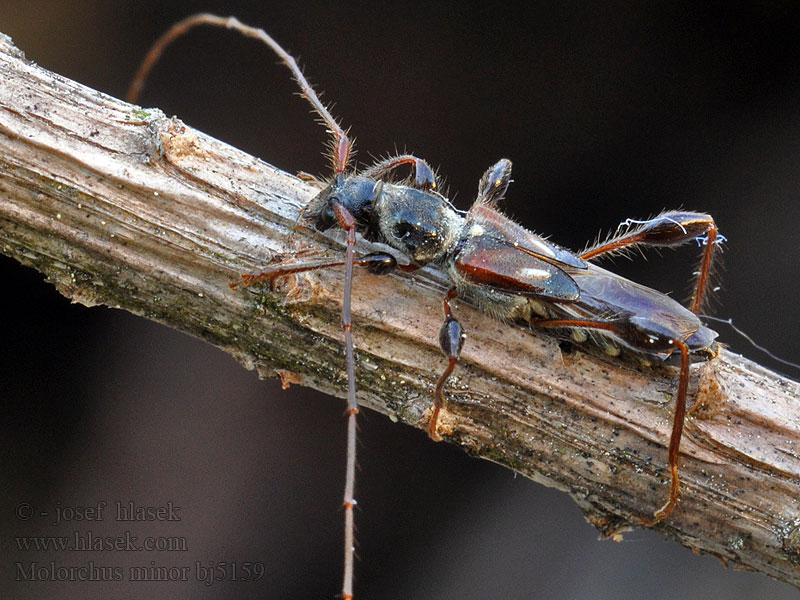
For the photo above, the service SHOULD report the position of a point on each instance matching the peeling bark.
(125, 207)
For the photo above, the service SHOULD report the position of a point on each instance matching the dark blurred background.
(607, 110)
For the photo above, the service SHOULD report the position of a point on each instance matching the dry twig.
(124, 207)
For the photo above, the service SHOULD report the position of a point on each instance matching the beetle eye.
(326, 218)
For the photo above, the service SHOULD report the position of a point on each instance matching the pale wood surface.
(127, 208)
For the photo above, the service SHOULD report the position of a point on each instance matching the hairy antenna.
(342, 146)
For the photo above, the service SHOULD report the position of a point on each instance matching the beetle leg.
(675, 439)
(424, 177)
(668, 229)
(451, 340)
(377, 263)
(311, 179)
(680, 404)
(494, 183)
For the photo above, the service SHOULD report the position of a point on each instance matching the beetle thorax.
(422, 225)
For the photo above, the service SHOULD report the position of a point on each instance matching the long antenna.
(342, 148)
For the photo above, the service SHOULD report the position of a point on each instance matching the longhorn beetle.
(507, 271)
